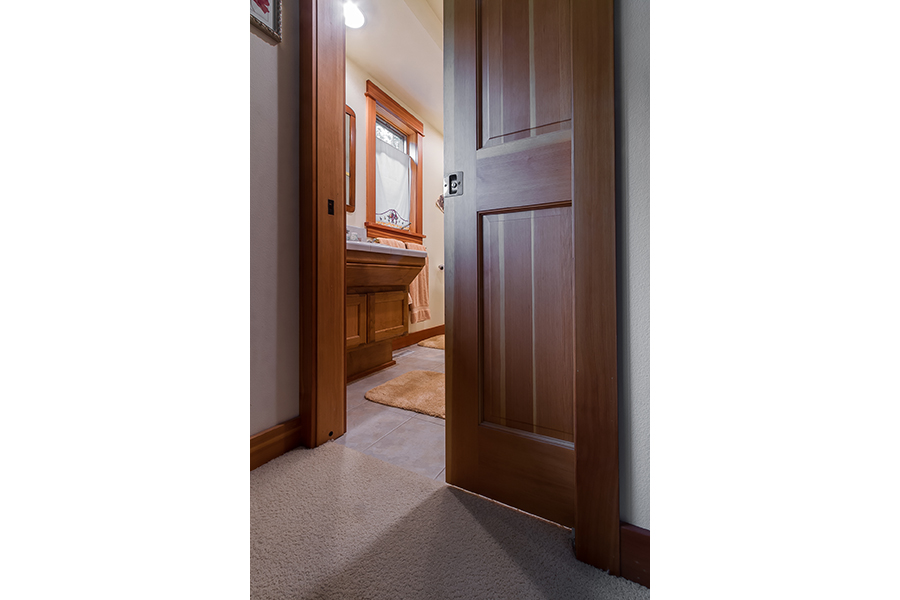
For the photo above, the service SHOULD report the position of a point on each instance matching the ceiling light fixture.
(353, 17)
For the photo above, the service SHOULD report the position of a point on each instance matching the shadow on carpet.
(335, 523)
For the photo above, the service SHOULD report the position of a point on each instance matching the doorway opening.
(395, 234)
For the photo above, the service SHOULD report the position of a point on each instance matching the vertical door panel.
(525, 69)
(530, 255)
(528, 325)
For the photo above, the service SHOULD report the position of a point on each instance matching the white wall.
(432, 187)
(274, 224)
(633, 203)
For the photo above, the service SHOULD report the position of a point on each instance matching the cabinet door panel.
(388, 315)
(356, 320)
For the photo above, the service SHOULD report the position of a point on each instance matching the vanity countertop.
(381, 248)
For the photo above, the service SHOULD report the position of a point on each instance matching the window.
(393, 169)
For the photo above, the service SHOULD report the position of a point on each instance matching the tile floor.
(401, 437)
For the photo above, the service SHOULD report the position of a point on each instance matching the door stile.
(461, 280)
(596, 388)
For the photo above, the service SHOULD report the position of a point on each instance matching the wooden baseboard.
(414, 338)
(274, 442)
(634, 551)
(368, 372)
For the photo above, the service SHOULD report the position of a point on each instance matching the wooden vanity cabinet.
(377, 307)
(357, 321)
(388, 315)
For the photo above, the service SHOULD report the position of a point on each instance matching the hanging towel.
(391, 242)
(418, 290)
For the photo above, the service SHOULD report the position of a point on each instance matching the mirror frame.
(350, 138)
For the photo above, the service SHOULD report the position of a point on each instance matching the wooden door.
(530, 254)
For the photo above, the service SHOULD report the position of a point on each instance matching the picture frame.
(266, 15)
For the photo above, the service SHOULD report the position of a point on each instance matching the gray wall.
(633, 233)
(274, 224)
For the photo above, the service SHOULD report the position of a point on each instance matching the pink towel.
(418, 290)
(391, 242)
(395, 244)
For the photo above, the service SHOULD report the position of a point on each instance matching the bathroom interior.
(395, 233)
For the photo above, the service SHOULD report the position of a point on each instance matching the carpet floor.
(419, 391)
(333, 523)
(434, 342)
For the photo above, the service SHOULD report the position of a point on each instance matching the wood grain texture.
(351, 377)
(530, 172)
(351, 137)
(492, 303)
(596, 395)
(417, 336)
(635, 553)
(357, 321)
(461, 274)
(367, 270)
(330, 59)
(528, 323)
(369, 358)
(375, 230)
(275, 441)
(381, 97)
(388, 315)
(525, 73)
(543, 485)
(307, 364)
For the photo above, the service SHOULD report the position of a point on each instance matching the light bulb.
(353, 17)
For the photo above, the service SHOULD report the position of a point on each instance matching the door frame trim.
(597, 525)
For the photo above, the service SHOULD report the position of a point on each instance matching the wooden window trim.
(378, 103)
(351, 200)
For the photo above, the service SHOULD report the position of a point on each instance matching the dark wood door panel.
(529, 172)
(529, 120)
(524, 68)
(543, 485)
(528, 325)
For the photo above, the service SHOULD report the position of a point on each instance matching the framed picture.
(266, 15)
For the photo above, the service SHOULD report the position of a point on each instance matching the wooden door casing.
(322, 402)
(530, 254)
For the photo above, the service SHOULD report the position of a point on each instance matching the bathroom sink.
(381, 248)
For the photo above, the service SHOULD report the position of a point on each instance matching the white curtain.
(392, 168)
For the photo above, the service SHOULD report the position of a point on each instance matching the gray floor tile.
(415, 445)
(369, 422)
(407, 439)
(429, 418)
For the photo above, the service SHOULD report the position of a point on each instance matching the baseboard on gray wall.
(274, 442)
(634, 553)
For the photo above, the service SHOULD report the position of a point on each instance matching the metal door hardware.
(453, 184)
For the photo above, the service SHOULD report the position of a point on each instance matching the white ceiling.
(401, 45)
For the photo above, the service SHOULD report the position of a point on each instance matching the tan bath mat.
(434, 342)
(419, 391)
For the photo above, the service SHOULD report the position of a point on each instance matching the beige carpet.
(333, 523)
(419, 391)
(434, 342)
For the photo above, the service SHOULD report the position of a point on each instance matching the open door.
(530, 255)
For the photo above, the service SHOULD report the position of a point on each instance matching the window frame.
(379, 104)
